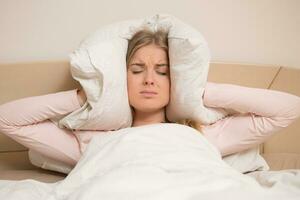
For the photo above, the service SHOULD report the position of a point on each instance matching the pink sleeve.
(31, 110)
(26, 121)
(259, 114)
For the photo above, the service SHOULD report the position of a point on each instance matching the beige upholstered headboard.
(28, 79)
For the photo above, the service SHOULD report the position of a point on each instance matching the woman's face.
(148, 79)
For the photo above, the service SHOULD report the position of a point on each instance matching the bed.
(18, 80)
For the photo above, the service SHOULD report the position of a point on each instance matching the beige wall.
(247, 31)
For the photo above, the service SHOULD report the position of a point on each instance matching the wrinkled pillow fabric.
(189, 58)
(99, 64)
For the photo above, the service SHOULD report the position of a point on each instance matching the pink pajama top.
(258, 113)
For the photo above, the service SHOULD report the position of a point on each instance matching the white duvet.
(159, 161)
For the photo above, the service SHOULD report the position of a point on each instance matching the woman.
(259, 112)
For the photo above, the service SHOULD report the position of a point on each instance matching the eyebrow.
(143, 65)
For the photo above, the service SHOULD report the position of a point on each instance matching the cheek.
(168, 88)
(165, 85)
(132, 83)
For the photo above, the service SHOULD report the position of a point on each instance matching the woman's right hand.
(81, 96)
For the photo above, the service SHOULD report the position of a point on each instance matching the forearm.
(263, 102)
(35, 109)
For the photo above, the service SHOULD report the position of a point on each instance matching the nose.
(148, 80)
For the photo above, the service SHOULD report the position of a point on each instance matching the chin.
(150, 108)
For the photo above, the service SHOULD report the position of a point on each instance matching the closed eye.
(136, 72)
(162, 73)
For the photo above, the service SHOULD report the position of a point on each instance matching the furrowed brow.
(162, 65)
(138, 64)
(143, 65)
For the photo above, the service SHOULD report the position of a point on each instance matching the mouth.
(148, 93)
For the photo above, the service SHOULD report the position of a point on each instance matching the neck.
(144, 118)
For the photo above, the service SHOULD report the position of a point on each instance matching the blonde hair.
(146, 37)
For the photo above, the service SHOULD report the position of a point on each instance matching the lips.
(148, 94)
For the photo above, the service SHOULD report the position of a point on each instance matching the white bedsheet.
(159, 161)
(288, 179)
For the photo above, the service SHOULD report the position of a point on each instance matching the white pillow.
(99, 64)
(247, 161)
